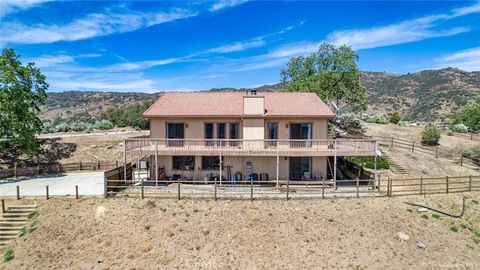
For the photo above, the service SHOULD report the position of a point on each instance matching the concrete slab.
(89, 183)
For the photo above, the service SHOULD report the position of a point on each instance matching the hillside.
(423, 96)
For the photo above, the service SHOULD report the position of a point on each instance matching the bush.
(379, 119)
(369, 162)
(461, 128)
(430, 135)
(103, 125)
(8, 255)
(473, 152)
(449, 133)
(395, 118)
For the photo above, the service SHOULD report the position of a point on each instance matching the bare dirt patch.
(167, 234)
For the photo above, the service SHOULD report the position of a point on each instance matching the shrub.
(369, 162)
(461, 128)
(395, 118)
(8, 255)
(449, 133)
(430, 135)
(103, 125)
(473, 151)
(379, 119)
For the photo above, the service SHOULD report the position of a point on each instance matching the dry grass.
(168, 234)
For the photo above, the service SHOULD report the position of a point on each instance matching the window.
(175, 131)
(209, 134)
(303, 132)
(210, 162)
(272, 133)
(183, 163)
(234, 134)
(221, 134)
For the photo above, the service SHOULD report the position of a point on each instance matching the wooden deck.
(292, 148)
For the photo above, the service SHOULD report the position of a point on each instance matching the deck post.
(335, 164)
(278, 163)
(470, 183)
(215, 188)
(251, 189)
(288, 186)
(323, 188)
(220, 163)
(178, 192)
(358, 183)
(156, 163)
(421, 184)
(125, 161)
(447, 183)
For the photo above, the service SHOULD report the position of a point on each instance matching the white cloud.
(402, 32)
(129, 66)
(46, 61)
(226, 4)
(93, 25)
(238, 46)
(468, 59)
(7, 6)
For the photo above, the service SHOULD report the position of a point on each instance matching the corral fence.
(289, 189)
(58, 168)
(474, 136)
(435, 151)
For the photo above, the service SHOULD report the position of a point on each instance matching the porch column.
(335, 164)
(156, 163)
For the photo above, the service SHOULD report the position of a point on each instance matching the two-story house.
(281, 135)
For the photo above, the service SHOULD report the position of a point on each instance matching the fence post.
(46, 192)
(461, 159)
(413, 147)
(178, 184)
(215, 188)
(18, 192)
(389, 187)
(98, 165)
(358, 187)
(421, 184)
(251, 189)
(447, 183)
(105, 186)
(288, 186)
(470, 183)
(3, 206)
(76, 191)
(15, 170)
(323, 188)
(471, 136)
(143, 190)
(392, 143)
(79, 165)
(436, 152)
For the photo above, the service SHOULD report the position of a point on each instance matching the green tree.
(395, 118)
(331, 72)
(22, 91)
(430, 135)
(470, 116)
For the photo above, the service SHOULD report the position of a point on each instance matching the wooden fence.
(112, 178)
(474, 136)
(58, 168)
(285, 189)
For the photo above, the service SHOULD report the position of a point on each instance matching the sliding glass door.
(300, 168)
(175, 131)
(302, 132)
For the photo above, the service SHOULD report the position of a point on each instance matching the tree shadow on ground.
(52, 150)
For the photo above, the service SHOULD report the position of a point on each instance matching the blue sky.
(178, 45)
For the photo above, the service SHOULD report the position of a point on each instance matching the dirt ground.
(131, 233)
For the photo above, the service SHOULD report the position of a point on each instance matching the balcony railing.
(347, 147)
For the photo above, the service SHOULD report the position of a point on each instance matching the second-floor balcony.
(240, 147)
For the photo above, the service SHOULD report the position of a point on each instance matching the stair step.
(15, 219)
(8, 214)
(12, 223)
(7, 237)
(4, 233)
(8, 229)
(26, 206)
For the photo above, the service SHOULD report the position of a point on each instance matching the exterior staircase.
(395, 167)
(12, 221)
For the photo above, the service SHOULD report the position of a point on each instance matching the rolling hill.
(423, 96)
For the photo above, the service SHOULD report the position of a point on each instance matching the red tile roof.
(230, 104)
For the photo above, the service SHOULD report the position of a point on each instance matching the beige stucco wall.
(253, 105)
(255, 127)
(259, 164)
